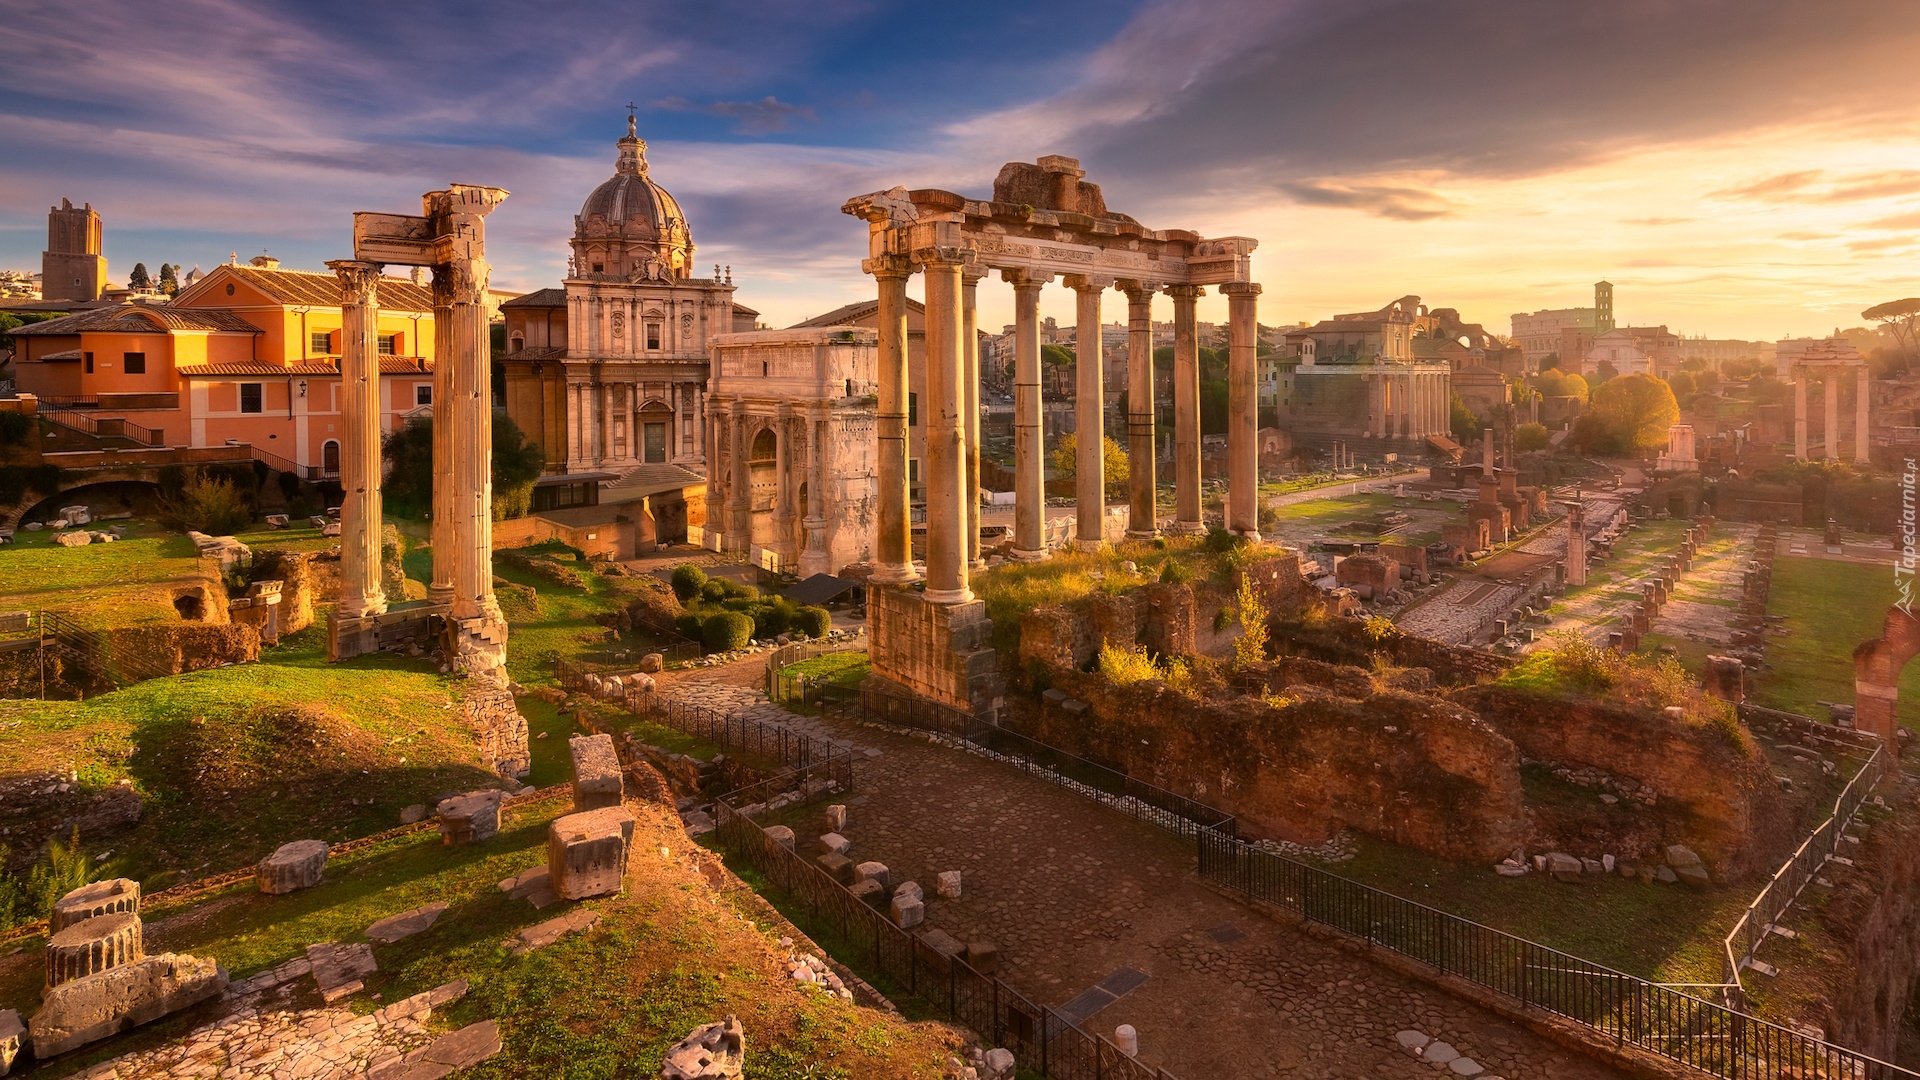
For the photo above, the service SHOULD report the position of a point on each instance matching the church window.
(249, 397)
(330, 458)
(599, 268)
(913, 410)
(653, 335)
(136, 363)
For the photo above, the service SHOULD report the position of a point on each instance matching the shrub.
(690, 627)
(1175, 572)
(812, 621)
(770, 619)
(713, 591)
(1124, 667)
(742, 592)
(208, 504)
(1219, 541)
(1251, 646)
(726, 631)
(1530, 437)
(688, 581)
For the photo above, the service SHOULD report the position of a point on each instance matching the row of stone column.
(1407, 404)
(1861, 382)
(594, 407)
(951, 467)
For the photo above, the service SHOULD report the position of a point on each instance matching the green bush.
(812, 621)
(726, 631)
(688, 581)
(772, 619)
(1219, 541)
(1175, 572)
(713, 591)
(741, 604)
(209, 504)
(690, 627)
(742, 592)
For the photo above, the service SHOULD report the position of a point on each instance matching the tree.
(1462, 421)
(1628, 415)
(139, 279)
(408, 489)
(1901, 320)
(1561, 384)
(1550, 361)
(169, 278)
(517, 463)
(1530, 437)
(1057, 355)
(1113, 461)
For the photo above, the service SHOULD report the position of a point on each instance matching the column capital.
(1026, 279)
(888, 266)
(1137, 291)
(942, 255)
(971, 273)
(1184, 291)
(1240, 288)
(359, 281)
(1087, 283)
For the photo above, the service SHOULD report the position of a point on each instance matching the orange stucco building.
(245, 354)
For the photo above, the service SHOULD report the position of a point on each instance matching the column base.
(948, 596)
(1136, 534)
(1250, 534)
(1025, 555)
(1188, 528)
(1088, 545)
(362, 607)
(440, 594)
(900, 574)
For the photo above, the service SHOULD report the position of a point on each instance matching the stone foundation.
(416, 625)
(497, 724)
(936, 651)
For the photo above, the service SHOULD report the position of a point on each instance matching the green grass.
(1831, 607)
(839, 668)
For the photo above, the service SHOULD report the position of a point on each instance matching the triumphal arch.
(1043, 221)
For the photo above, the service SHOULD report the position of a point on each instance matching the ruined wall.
(1415, 770)
(1875, 916)
(936, 651)
(1724, 805)
(489, 710)
(1345, 641)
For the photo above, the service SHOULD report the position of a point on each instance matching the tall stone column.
(1089, 415)
(1187, 514)
(360, 591)
(893, 543)
(1029, 433)
(1800, 415)
(1140, 457)
(710, 436)
(784, 488)
(944, 412)
(970, 350)
(1833, 415)
(740, 506)
(1862, 384)
(440, 589)
(1243, 451)
(816, 558)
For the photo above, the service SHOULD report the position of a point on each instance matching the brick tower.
(72, 267)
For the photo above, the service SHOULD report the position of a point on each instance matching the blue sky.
(1737, 168)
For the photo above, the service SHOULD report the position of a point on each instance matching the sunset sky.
(1737, 169)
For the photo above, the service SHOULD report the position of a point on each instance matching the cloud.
(1813, 186)
(1807, 236)
(1656, 221)
(1897, 221)
(1392, 202)
(1770, 188)
(1883, 243)
(762, 117)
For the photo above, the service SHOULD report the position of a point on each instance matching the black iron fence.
(743, 735)
(1041, 1040)
(1629, 1010)
(907, 710)
(807, 691)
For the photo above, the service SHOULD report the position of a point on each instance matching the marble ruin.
(1831, 362)
(1043, 220)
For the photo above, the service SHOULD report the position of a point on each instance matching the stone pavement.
(1071, 891)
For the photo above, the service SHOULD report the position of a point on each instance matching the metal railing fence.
(1041, 1040)
(744, 735)
(806, 690)
(102, 427)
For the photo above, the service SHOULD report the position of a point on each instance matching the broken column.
(92, 901)
(361, 593)
(587, 852)
(298, 865)
(711, 1052)
(91, 947)
(597, 780)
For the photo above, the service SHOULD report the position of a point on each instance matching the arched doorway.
(763, 477)
(656, 425)
(330, 458)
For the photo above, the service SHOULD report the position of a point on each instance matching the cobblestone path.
(1071, 891)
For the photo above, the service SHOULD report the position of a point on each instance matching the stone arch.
(330, 457)
(765, 445)
(122, 486)
(1876, 673)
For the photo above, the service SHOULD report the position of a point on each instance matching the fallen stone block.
(836, 818)
(470, 818)
(543, 934)
(943, 943)
(460, 1049)
(653, 662)
(948, 884)
(911, 890)
(1564, 867)
(338, 968)
(10, 1032)
(983, 957)
(907, 913)
(73, 539)
(870, 893)
(413, 814)
(596, 772)
(873, 871)
(533, 886)
(699, 823)
(835, 843)
(91, 947)
(406, 924)
(91, 901)
(839, 867)
(781, 835)
(90, 1009)
(587, 852)
(709, 1052)
(298, 865)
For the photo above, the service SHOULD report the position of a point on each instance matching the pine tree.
(139, 279)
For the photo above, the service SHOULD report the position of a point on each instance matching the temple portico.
(1833, 363)
(1043, 219)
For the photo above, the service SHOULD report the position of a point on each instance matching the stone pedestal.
(470, 818)
(91, 901)
(87, 1010)
(94, 946)
(597, 778)
(936, 651)
(298, 865)
(587, 852)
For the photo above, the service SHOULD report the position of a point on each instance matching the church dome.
(630, 228)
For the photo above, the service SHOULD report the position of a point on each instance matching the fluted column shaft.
(1800, 415)
(740, 504)
(360, 591)
(1186, 411)
(440, 589)
(946, 424)
(471, 413)
(1832, 392)
(1861, 420)
(815, 558)
(970, 351)
(1140, 457)
(893, 546)
(1089, 416)
(1243, 451)
(1029, 449)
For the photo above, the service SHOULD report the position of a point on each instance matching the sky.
(1737, 168)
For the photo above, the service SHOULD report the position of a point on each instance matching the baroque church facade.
(609, 373)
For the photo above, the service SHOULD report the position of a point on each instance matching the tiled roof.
(842, 316)
(139, 319)
(320, 290)
(389, 365)
(538, 298)
(646, 480)
(64, 354)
